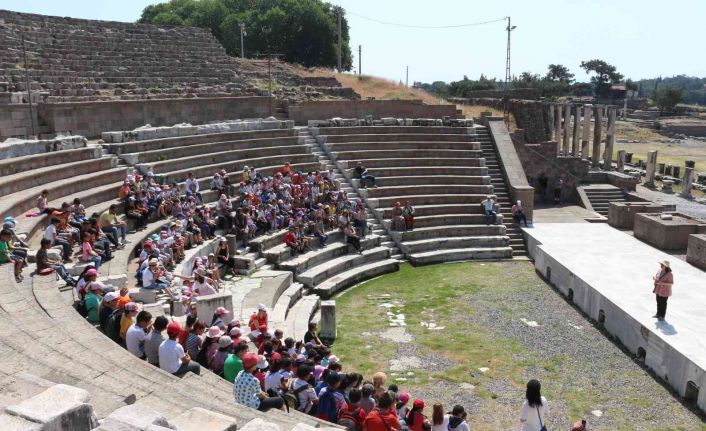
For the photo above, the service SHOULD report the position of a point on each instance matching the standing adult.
(534, 410)
(543, 183)
(663, 281)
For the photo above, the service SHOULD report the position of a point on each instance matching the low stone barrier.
(206, 305)
(667, 231)
(24, 147)
(696, 250)
(186, 129)
(622, 214)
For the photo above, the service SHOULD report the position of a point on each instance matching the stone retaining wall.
(92, 118)
(316, 110)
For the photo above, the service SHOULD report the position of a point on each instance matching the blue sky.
(642, 38)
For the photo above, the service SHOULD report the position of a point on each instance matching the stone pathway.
(685, 206)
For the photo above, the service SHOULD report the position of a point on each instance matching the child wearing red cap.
(172, 357)
(247, 389)
(416, 421)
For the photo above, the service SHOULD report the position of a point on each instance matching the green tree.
(304, 31)
(559, 73)
(604, 75)
(667, 98)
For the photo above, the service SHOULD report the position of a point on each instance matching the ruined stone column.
(597, 127)
(567, 123)
(549, 123)
(621, 161)
(587, 114)
(327, 325)
(687, 180)
(651, 168)
(576, 131)
(609, 140)
(557, 127)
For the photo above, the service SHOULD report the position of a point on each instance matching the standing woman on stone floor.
(664, 280)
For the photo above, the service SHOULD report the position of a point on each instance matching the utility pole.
(242, 40)
(360, 61)
(29, 86)
(406, 79)
(506, 102)
(340, 38)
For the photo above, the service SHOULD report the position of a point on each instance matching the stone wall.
(16, 121)
(531, 116)
(515, 93)
(319, 110)
(92, 118)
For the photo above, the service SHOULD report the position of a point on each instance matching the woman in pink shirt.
(663, 288)
(87, 252)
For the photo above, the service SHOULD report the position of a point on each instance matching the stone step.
(414, 180)
(426, 170)
(432, 210)
(401, 145)
(355, 275)
(454, 242)
(454, 254)
(450, 231)
(423, 189)
(319, 256)
(446, 219)
(285, 303)
(273, 284)
(315, 275)
(297, 322)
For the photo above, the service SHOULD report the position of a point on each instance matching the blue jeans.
(490, 217)
(322, 238)
(113, 230)
(157, 285)
(61, 271)
(65, 247)
(96, 260)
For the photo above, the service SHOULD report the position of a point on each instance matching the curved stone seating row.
(22, 164)
(67, 347)
(183, 141)
(445, 183)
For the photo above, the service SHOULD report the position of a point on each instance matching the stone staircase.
(500, 190)
(600, 195)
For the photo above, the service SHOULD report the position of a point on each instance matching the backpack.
(350, 420)
(326, 409)
(112, 326)
(291, 398)
(81, 309)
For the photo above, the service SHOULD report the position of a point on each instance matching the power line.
(425, 26)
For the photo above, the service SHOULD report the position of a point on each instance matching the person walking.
(663, 281)
(534, 410)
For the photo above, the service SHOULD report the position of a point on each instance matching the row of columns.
(577, 142)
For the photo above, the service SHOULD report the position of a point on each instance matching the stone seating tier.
(423, 189)
(388, 130)
(316, 275)
(446, 219)
(429, 180)
(421, 170)
(398, 137)
(182, 141)
(358, 272)
(434, 210)
(438, 243)
(23, 164)
(401, 145)
(68, 352)
(184, 159)
(438, 199)
(438, 162)
(215, 147)
(404, 154)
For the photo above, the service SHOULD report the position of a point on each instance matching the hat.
(249, 360)
(235, 332)
(214, 332)
(201, 272)
(153, 262)
(404, 397)
(665, 263)
(301, 358)
(221, 311)
(91, 272)
(154, 237)
(458, 410)
(95, 286)
(131, 306)
(222, 239)
(318, 371)
(418, 404)
(174, 328)
(235, 322)
(224, 342)
(261, 307)
(262, 363)
(333, 359)
(110, 296)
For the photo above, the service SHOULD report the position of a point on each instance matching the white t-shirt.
(147, 276)
(203, 288)
(50, 233)
(530, 415)
(192, 185)
(170, 354)
(135, 340)
(444, 425)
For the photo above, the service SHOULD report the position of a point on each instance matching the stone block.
(61, 407)
(696, 250)
(138, 416)
(258, 424)
(198, 419)
(14, 423)
(621, 215)
(666, 234)
(206, 305)
(145, 296)
(327, 324)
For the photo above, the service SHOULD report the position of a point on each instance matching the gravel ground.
(583, 372)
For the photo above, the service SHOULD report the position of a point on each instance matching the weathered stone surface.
(258, 424)
(622, 214)
(136, 415)
(666, 234)
(328, 320)
(58, 408)
(198, 419)
(696, 250)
